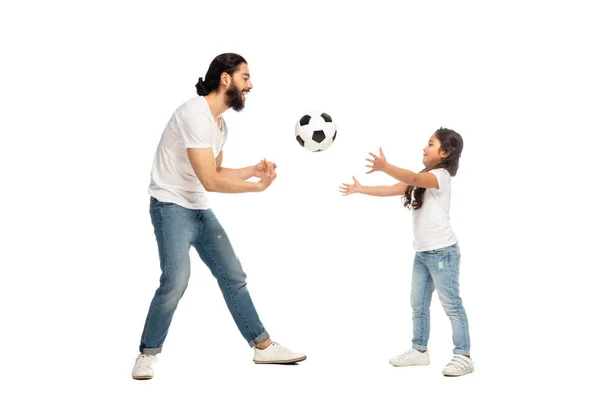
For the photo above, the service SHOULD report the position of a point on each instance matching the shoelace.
(145, 360)
(276, 344)
(407, 352)
(280, 347)
(459, 363)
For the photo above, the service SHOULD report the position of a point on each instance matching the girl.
(437, 258)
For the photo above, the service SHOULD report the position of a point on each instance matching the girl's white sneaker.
(459, 365)
(410, 358)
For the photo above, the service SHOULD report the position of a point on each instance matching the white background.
(87, 87)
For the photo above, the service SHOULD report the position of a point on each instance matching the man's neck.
(216, 103)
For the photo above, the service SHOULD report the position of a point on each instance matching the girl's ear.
(445, 154)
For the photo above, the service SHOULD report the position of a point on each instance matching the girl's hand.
(347, 189)
(262, 167)
(377, 163)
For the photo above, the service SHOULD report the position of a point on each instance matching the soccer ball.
(315, 131)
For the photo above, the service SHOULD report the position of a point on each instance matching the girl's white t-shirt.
(172, 178)
(431, 222)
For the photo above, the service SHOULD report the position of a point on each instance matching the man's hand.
(261, 168)
(268, 176)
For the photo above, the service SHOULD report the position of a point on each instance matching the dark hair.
(450, 142)
(227, 62)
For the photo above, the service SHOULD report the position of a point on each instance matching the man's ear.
(225, 78)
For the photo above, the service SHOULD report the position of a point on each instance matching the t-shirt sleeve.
(225, 132)
(195, 130)
(443, 177)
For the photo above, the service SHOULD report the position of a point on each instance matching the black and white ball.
(315, 131)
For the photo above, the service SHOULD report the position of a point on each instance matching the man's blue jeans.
(438, 269)
(177, 229)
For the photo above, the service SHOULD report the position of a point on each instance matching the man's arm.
(204, 165)
(239, 173)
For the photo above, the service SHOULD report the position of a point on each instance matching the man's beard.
(233, 97)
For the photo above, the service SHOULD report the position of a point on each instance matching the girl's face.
(432, 153)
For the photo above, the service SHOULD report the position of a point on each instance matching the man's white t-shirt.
(431, 222)
(172, 178)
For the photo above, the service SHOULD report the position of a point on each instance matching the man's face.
(240, 85)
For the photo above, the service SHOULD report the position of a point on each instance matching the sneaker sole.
(142, 378)
(295, 360)
(456, 375)
(410, 365)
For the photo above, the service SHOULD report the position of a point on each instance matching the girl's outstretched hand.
(347, 189)
(377, 163)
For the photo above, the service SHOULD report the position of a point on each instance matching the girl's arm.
(383, 191)
(422, 179)
(379, 191)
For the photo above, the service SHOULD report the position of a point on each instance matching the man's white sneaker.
(144, 367)
(275, 353)
(459, 365)
(409, 358)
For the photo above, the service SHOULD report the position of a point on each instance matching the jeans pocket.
(157, 207)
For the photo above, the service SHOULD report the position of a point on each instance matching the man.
(187, 165)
